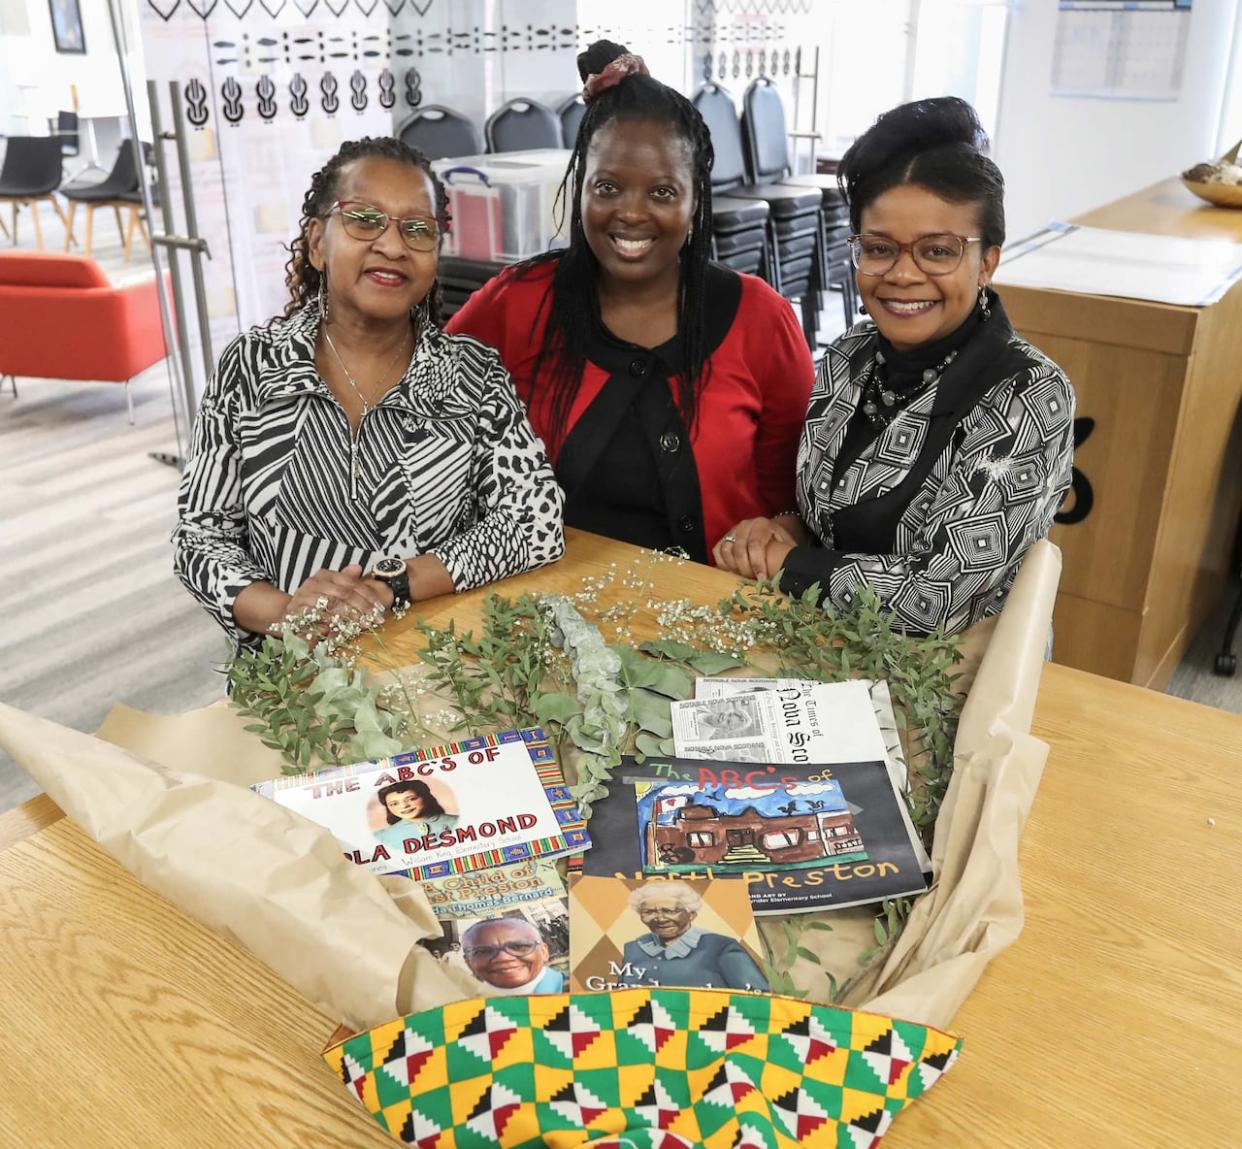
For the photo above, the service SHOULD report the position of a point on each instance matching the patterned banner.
(649, 1068)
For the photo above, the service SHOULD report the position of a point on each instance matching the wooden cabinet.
(1159, 450)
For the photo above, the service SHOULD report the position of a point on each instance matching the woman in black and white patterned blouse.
(353, 430)
(938, 443)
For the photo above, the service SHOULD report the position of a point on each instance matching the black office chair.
(794, 220)
(68, 133)
(120, 190)
(522, 125)
(571, 112)
(1226, 663)
(441, 133)
(767, 158)
(32, 172)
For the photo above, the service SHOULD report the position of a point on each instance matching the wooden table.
(1163, 459)
(1114, 1020)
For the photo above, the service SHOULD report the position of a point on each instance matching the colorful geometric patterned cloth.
(641, 1069)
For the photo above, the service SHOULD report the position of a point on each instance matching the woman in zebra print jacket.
(353, 429)
(938, 443)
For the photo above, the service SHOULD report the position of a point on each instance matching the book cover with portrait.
(444, 810)
(688, 934)
(520, 950)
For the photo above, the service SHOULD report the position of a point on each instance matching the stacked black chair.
(522, 125)
(461, 278)
(441, 133)
(763, 130)
(794, 220)
(68, 133)
(32, 172)
(740, 234)
(121, 191)
(571, 112)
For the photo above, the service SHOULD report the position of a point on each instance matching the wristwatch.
(394, 573)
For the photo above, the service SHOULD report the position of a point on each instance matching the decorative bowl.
(1222, 195)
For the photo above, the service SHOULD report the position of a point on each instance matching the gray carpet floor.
(90, 611)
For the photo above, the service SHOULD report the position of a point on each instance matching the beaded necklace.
(881, 404)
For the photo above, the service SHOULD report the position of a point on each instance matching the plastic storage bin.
(503, 205)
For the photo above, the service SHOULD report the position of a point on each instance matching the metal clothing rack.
(797, 131)
(176, 340)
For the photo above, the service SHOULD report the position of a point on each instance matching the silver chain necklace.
(355, 462)
(367, 408)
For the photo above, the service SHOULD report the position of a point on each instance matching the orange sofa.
(60, 318)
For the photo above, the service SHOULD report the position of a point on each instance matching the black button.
(688, 524)
(670, 441)
(638, 368)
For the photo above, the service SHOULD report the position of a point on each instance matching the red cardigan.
(751, 412)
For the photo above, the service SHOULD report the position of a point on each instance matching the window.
(782, 839)
(700, 838)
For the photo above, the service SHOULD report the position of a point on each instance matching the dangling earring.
(985, 312)
(422, 311)
(689, 236)
(323, 298)
(862, 309)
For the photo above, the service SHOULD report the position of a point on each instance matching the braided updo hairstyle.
(572, 303)
(301, 276)
(937, 144)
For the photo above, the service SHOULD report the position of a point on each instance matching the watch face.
(389, 568)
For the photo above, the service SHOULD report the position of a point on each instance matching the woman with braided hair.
(670, 390)
(351, 457)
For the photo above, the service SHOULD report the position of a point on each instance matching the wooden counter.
(1164, 459)
(1111, 1022)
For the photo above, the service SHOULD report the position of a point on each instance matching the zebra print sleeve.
(518, 504)
(211, 552)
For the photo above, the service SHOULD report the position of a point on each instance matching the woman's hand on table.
(756, 548)
(261, 606)
(344, 592)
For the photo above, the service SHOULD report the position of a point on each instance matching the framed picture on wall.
(67, 26)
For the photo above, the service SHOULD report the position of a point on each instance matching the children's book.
(695, 934)
(478, 893)
(444, 810)
(802, 837)
(520, 950)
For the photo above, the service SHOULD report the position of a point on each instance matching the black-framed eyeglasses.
(366, 223)
(517, 949)
(939, 254)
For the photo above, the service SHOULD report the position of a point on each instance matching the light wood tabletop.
(1113, 1021)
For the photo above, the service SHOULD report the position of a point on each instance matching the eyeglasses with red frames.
(939, 254)
(365, 223)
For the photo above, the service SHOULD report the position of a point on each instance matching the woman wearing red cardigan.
(670, 391)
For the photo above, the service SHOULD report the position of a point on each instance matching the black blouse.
(627, 462)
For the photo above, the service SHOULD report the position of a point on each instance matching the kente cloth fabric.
(641, 1069)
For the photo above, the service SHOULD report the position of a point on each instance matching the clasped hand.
(346, 591)
(755, 548)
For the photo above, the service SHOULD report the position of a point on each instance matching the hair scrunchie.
(612, 75)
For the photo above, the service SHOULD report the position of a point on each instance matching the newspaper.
(753, 720)
(881, 704)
